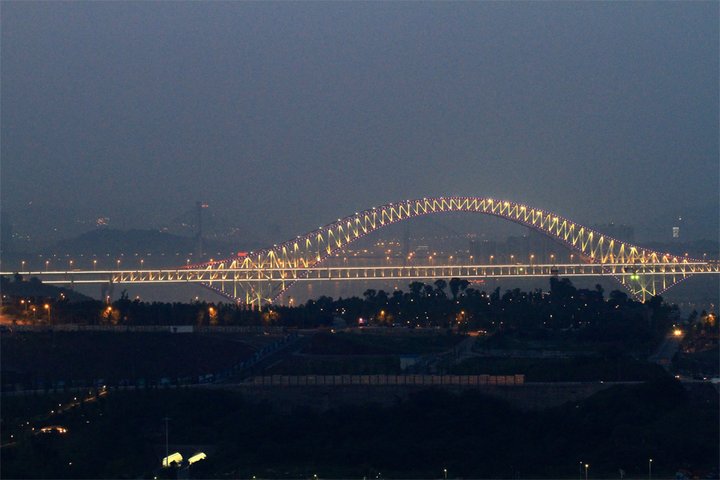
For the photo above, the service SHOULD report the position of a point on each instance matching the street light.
(586, 471)
(94, 264)
(649, 468)
(47, 307)
(47, 264)
(445, 473)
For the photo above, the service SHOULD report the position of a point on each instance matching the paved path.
(666, 351)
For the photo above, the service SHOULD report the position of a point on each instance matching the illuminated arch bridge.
(263, 276)
(246, 278)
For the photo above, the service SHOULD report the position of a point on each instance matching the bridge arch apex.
(312, 248)
(316, 245)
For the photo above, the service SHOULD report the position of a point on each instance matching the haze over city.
(317, 240)
(285, 116)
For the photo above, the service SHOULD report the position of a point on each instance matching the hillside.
(143, 242)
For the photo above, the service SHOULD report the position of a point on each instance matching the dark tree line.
(455, 304)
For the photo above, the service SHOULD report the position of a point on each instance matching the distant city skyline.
(29, 234)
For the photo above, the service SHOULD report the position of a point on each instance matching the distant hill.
(129, 242)
(33, 288)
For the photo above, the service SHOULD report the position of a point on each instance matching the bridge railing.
(370, 272)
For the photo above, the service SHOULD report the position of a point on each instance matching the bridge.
(262, 276)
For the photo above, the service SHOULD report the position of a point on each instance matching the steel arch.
(311, 249)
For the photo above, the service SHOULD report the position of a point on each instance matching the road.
(666, 351)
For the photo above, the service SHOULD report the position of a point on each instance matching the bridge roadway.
(627, 272)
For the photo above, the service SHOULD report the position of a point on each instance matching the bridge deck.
(414, 272)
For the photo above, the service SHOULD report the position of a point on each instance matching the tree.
(464, 284)
(618, 298)
(382, 297)
(561, 289)
(440, 285)
(416, 288)
(454, 287)
(600, 290)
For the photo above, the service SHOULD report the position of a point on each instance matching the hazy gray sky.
(293, 114)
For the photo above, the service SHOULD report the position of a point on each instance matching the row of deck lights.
(75, 262)
(71, 263)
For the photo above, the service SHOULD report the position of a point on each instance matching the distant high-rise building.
(482, 250)
(676, 229)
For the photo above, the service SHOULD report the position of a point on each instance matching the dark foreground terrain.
(122, 434)
(48, 360)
